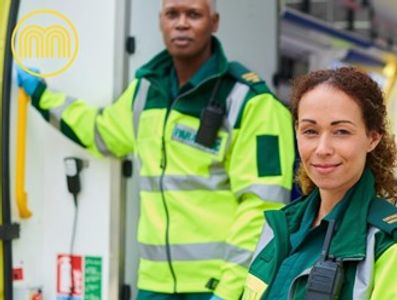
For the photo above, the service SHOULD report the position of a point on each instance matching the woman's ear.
(374, 139)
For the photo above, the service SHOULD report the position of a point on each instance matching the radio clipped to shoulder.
(326, 277)
(211, 120)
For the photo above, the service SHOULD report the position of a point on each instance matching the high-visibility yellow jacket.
(201, 207)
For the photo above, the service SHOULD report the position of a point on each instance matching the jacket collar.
(161, 66)
(350, 237)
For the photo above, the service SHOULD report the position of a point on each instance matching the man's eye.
(194, 15)
(171, 14)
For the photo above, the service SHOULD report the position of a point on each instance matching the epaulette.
(383, 215)
(242, 74)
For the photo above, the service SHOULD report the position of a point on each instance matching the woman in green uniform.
(338, 241)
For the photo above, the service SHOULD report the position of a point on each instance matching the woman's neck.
(328, 201)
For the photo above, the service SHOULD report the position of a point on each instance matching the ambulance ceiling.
(302, 34)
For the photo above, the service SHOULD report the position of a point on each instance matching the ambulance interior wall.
(248, 31)
(48, 232)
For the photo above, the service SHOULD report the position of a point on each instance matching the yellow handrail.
(21, 196)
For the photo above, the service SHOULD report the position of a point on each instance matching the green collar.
(350, 239)
(350, 214)
(161, 66)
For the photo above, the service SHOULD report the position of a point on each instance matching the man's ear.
(215, 22)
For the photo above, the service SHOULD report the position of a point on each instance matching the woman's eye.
(342, 132)
(309, 132)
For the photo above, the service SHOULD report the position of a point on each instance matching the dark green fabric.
(195, 94)
(36, 99)
(148, 295)
(66, 130)
(380, 210)
(268, 260)
(268, 158)
(238, 71)
(348, 243)
(306, 244)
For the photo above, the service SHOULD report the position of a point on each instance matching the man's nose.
(182, 21)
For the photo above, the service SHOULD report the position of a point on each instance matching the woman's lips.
(325, 168)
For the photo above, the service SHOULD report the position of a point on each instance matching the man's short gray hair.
(212, 4)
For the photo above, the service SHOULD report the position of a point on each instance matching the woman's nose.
(324, 146)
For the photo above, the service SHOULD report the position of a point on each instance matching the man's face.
(187, 26)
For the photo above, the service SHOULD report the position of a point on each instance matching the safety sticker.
(79, 277)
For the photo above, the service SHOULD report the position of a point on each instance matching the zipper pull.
(163, 159)
(162, 163)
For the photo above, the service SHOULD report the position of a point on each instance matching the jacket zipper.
(163, 166)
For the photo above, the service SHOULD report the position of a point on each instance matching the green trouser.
(148, 295)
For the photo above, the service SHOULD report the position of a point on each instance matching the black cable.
(73, 167)
(72, 241)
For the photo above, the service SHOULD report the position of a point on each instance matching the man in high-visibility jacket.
(202, 194)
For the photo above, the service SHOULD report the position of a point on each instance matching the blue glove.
(27, 81)
(214, 297)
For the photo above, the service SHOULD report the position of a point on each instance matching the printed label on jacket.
(187, 135)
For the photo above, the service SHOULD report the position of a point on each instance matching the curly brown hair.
(368, 95)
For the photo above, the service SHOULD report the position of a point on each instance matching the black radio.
(211, 120)
(326, 277)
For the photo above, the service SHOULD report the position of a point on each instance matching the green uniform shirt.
(306, 245)
(362, 239)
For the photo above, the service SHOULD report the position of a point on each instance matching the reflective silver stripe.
(194, 252)
(139, 103)
(291, 289)
(184, 183)
(99, 142)
(266, 236)
(363, 281)
(56, 112)
(238, 256)
(266, 192)
(234, 103)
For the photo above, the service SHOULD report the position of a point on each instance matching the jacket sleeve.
(260, 166)
(385, 275)
(107, 131)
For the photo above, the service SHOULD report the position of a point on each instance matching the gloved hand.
(27, 81)
(214, 297)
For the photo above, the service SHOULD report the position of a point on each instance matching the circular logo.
(46, 38)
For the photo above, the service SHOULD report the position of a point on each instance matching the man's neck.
(187, 67)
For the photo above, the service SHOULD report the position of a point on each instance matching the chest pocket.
(187, 135)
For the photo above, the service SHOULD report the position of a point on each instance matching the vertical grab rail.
(21, 195)
(8, 18)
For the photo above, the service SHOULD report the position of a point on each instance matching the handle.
(21, 195)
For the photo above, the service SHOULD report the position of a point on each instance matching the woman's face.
(332, 138)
